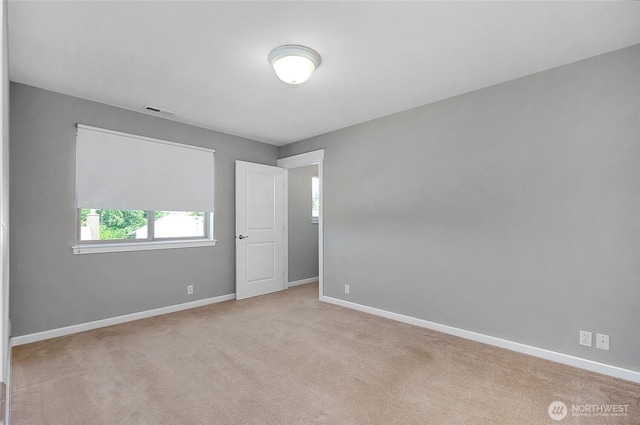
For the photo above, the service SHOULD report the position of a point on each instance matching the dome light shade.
(294, 64)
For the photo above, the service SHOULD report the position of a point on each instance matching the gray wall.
(512, 211)
(50, 286)
(303, 234)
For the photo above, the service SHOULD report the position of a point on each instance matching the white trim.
(605, 369)
(321, 228)
(301, 160)
(285, 245)
(139, 246)
(68, 330)
(303, 281)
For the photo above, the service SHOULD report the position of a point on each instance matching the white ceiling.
(207, 60)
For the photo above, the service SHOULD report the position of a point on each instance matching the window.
(139, 193)
(179, 224)
(315, 199)
(119, 225)
(110, 225)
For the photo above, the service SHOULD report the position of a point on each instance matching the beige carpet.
(286, 358)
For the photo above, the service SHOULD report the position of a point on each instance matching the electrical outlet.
(189, 289)
(585, 338)
(346, 289)
(602, 341)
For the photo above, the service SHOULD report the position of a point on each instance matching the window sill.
(139, 246)
(315, 220)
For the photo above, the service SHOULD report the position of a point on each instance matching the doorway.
(293, 162)
(302, 197)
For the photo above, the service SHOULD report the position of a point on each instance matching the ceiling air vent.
(158, 111)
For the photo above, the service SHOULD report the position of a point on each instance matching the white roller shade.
(123, 171)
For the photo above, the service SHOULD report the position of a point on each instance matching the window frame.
(149, 243)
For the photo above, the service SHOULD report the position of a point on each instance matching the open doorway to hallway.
(303, 216)
(314, 158)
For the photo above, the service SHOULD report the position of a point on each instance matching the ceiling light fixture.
(293, 63)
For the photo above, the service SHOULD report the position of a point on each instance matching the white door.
(259, 229)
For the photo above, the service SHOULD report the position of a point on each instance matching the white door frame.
(295, 161)
(5, 350)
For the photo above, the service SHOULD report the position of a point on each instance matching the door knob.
(242, 237)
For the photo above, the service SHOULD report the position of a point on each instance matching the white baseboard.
(605, 369)
(54, 333)
(303, 281)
